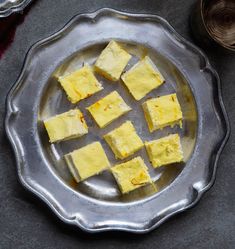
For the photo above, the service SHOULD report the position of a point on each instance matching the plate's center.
(103, 186)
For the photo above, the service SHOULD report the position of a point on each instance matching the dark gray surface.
(27, 223)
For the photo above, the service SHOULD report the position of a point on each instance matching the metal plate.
(7, 7)
(96, 204)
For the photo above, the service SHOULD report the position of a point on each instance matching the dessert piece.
(124, 140)
(112, 61)
(65, 126)
(108, 109)
(131, 174)
(142, 78)
(80, 84)
(87, 161)
(163, 111)
(165, 150)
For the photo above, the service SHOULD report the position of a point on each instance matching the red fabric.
(8, 27)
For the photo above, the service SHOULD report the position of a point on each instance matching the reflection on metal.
(7, 7)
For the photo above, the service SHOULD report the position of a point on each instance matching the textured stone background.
(27, 223)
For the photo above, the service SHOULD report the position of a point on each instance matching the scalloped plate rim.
(74, 221)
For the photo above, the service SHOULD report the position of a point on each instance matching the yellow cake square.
(142, 78)
(108, 109)
(131, 174)
(112, 61)
(162, 111)
(165, 150)
(87, 161)
(124, 141)
(65, 126)
(80, 84)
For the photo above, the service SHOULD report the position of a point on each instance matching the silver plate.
(96, 204)
(7, 7)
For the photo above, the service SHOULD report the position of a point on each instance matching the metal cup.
(213, 23)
